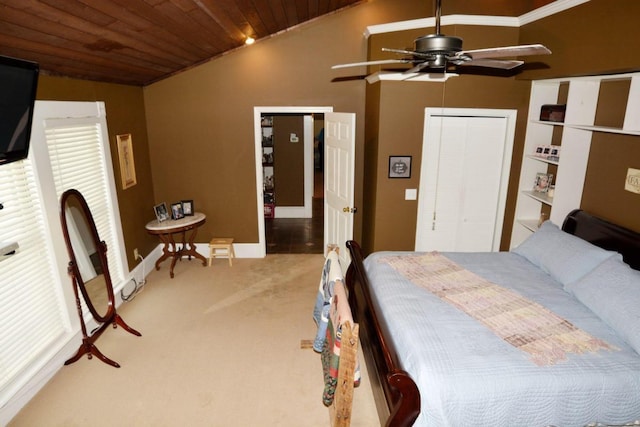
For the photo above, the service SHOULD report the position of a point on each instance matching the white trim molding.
(486, 20)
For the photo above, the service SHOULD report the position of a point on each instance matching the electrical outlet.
(135, 254)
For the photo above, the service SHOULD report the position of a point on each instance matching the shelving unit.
(267, 166)
(590, 107)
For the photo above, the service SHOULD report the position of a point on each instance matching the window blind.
(78, 161)
(31, 310)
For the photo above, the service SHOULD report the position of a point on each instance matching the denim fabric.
(323, 299)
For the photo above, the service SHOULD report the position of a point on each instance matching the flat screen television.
(18, 84)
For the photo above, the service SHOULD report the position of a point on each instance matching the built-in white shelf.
(541, 197)
(577, 130)
(541, 159)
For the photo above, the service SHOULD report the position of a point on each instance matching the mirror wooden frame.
(111, 317)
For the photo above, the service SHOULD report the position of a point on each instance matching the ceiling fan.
(437, 53)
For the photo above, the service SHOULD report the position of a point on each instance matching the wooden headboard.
(605, 235)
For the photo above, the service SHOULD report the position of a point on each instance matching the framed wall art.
(399, 166)
(127, 166)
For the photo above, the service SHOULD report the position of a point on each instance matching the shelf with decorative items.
(563, 115)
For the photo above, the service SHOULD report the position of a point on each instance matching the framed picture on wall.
(399, 166)
(187, 207)
(125, 155)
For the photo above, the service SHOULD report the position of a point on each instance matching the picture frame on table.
(187, 207)
(543, 182)
(176, 210)
(399, 166)
(161, 212)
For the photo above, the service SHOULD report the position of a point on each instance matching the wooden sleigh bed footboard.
(396, 394)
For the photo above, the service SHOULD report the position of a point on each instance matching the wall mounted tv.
(18, 84)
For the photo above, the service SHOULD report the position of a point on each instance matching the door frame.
(261, 251)
(510, 115)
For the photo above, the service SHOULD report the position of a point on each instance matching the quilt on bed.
(469, 375)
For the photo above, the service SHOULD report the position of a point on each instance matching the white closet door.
(463, 182)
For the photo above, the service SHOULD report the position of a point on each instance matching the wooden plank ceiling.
(142, 41)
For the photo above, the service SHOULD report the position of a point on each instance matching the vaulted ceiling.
(141, 41)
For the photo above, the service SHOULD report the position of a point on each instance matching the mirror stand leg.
(118, 321)
(87, 347)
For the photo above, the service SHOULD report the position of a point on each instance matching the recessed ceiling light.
(250, 40)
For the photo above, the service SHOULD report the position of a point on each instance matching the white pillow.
(612, 291)
(564, 256)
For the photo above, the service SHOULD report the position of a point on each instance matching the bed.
(560, 348)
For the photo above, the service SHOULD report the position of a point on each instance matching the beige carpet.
(220, 346)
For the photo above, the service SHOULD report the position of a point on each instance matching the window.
(39, 326)
(32, 316)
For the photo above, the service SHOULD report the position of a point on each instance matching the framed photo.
(127, 166)
(399, 166)
(543, 182)
(187, 207)
(176, 210)
(161, 212)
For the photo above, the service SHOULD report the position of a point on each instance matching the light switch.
(293, 137)
(411, 194)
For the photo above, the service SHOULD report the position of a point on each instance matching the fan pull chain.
(435, 198)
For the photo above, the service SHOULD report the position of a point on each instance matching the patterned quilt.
(522, 323)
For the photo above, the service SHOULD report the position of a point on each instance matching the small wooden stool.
(225, 244)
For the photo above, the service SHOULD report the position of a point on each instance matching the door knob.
(347, 209)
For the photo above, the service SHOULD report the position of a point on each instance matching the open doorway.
(286, 226)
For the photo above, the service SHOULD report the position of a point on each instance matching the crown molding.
(486, 20)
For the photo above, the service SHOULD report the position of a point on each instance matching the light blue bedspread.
(468, 376)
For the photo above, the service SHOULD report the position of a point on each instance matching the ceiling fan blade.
(408, 52)
(503, 64)
(501, 52)
(380, 62)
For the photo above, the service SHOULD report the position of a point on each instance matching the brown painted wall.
(400, 126)
(200, 122)
(125, 114)
(288, 157)
(200, 141)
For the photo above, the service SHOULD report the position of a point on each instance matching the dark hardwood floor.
(298, 235)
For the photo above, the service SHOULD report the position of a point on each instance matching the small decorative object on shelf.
(549, 152)
(553, 112)
(543, 182)
(554, 153)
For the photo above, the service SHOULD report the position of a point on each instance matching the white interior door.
(340, 141)
(464, 176)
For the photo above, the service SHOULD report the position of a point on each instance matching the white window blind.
(77, 159)
(32, 316)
